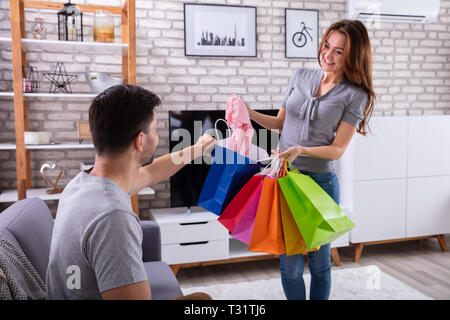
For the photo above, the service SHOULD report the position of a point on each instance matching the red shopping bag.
(244, 203)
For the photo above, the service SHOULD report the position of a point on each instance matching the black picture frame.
(304, 43)
(208, 30)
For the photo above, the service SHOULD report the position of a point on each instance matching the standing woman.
(318, 118)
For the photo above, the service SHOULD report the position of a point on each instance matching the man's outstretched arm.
(164, 167)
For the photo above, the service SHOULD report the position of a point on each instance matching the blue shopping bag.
(228, 173)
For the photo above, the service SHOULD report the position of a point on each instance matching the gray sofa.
(28, 224)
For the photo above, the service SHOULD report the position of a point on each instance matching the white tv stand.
(196, 238)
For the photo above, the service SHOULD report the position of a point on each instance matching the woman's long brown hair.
(357, 61)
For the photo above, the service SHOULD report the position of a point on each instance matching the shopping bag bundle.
(279, 210)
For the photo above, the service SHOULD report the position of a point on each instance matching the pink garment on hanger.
(238, 119)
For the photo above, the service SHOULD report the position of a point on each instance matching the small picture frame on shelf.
(219, 30)
(84, 132)
(38, 30)
(302, 33)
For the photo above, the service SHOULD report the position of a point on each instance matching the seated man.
(96, 234)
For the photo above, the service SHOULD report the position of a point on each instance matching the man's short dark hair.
(118, 115)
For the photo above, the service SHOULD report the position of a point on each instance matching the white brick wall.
(411, 72)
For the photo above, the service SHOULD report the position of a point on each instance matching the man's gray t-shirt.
(96, 243)
(312, 121)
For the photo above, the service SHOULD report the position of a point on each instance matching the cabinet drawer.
(195, 251)
(181, 232)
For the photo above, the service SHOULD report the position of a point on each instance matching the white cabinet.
(396, 181)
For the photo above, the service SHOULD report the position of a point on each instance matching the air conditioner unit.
(405, 11)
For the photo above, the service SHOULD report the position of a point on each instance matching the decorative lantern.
(70, 23)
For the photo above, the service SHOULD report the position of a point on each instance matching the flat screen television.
(185, 127)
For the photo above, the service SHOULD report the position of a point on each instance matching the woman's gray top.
(312, 121)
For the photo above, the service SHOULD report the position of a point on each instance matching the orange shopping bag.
(267, 235)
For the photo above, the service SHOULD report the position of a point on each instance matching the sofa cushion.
(31, 223)
(163, 284)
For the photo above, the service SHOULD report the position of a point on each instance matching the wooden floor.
(425, 267)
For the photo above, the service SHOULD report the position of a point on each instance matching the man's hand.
(204, 144)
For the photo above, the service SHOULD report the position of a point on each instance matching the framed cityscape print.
(302, 33)
(219, 30)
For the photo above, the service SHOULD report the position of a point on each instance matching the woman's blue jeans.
(319, 262)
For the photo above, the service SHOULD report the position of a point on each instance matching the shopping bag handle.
(215, 127)
(291, 166)
(283, 169)
(272, 168)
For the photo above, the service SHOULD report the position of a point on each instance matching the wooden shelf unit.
(19, 44)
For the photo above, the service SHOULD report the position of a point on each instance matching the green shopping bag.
(318, 217)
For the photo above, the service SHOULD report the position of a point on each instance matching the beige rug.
(361, 283)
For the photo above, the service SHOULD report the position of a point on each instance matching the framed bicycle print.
(302, 33)
(219, 30)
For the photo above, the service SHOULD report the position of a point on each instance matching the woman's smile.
(327, 63)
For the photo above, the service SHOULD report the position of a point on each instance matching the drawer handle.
(191, 223)
(193, 243)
